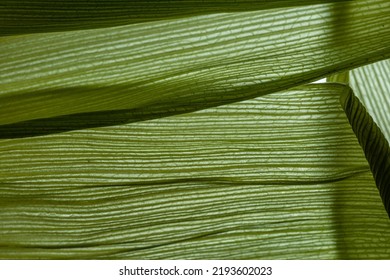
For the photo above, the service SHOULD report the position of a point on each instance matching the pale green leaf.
(181, 65)
(280, 176)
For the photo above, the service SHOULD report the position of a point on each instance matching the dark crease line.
(374, 144)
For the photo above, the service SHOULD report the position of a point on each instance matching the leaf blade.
(20, 17)
(371, 85)
(194, 62)
(245, 180)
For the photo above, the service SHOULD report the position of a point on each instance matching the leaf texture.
(371, 85)
(21, 16)
(375, 145)
(279, 176)
(186, 64)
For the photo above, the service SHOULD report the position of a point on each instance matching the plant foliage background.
(189, 129)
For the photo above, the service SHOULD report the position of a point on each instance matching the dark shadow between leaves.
(175, 105)
(40, 127)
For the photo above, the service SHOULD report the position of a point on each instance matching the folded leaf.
(186, 64)
(371, 85)
(280, 176)
(374, 144)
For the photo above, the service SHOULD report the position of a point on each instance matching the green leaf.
(340, 77)
(374, 144)
(21, 16)
(371, 85)
(182, 65)
(280, 176)
(373, 88)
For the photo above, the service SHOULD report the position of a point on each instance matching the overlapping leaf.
(191, 63)
(372, 86)
(97, 162)
(281, 176)
(374, 144)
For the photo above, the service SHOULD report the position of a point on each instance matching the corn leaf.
(21, 16)
(372, 86)
(279, 176)
(373, 142)
(182, 65)
(140, 131)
